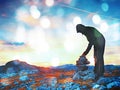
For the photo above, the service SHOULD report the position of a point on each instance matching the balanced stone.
(83, 71)
(81, 63)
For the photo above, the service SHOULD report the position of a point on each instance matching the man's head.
(80, 28)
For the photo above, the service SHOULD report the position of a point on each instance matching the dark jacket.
(94, 37)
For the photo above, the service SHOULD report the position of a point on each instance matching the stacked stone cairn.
(83, 72)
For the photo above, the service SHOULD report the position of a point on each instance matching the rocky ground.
(17, 75)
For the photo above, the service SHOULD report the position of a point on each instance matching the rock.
(10, 70)
(23, 78)
(82, 67)
(104, 80)
(63, 76)
(76, 76)
(102, 87)
(72, 86)
(83, 71)
(84, 75)
(7, 75)
(67, 88)
(113, 84)
(99, 87)
(96, 86)
(53, 81)
(82, 61)
(89, 76)
(42, 87)
(59, 88)
(84, 87)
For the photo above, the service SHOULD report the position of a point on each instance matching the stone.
(84, 75)
(104, 80)
(82, 61)
(113, 84)
(53, 81)
(83, 71)
(82, 68)
(23, 78)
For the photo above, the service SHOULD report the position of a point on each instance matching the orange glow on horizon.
(45, 59)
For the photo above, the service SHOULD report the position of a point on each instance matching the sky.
(43, 32)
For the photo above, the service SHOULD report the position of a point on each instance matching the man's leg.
(96, 68)
(100, 63)
(95, 59)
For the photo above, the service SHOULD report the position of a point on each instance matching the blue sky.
(107, 9)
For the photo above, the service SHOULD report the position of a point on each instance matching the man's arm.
(87, 50)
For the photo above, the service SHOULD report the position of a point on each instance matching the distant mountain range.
(17, 65)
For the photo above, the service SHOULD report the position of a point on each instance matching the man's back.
(93, 35)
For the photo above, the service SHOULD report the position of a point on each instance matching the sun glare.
(20, 34)
(96, 19)
(35, 13)
(45, 22)
(77, 20)
(37, 41)
(49, 3)
(55, 61)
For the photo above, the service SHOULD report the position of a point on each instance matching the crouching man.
(96, 39)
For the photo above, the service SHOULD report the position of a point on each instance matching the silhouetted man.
(96, 39)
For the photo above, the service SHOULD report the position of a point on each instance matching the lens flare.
(35, 13)
(37, 40)
(77, 20)
(49, 3)
(105, 7)
(55, 61)
(45, 22)
(20, 34)
(96, 19)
